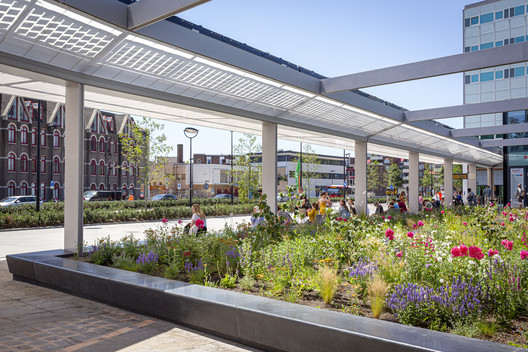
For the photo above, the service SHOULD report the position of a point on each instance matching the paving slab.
(34, 318)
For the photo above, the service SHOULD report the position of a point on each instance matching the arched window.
(114, 169)
(132, 168)
(101, 167)
(93, 144)
(93, 187)
(43, 138)
(24, 163)
(101, 187)
(43, 191)
(43, 165)
(56, 165)
(33, 136)
(56, 190)
(11, 157)
(24, 132)
(11, 133)
(56, 139)
(115, 147)
(101, 144)
(131, 188)
(11, 188)
(11, 115)
(93, 167)
(125, 168)
(23, 188)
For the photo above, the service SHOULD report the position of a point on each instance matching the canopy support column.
(360, 183)
(448, 182)
(414, 158)
(472, 177)
(269, 164)
(74, 166)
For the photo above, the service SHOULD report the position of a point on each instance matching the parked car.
(93, 196)
(19, 200)
(224, 196)
(164, 197)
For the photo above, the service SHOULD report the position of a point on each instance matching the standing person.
(324, 202)
(343, 210)
(198, 222)
(520, 195)
(471, 197)
(351, 207)
(403, 198)
(314, 210)
(487, 194)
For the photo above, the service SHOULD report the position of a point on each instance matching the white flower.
(439, 259)
(441, 281)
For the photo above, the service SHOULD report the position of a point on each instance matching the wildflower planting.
(460, 270)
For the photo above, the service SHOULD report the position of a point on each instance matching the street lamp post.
(190, 133)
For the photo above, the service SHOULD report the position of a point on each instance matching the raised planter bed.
(261, 322)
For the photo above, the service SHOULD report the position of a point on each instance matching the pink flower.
(414, 226)
(492, 252)
(442, 212)
(504, 213)
(389, 217)
(179, 221)
(420, 223)
(491, 204)
(200, 223)
(455, 252)
(508, 205)
(383, 217)
(476, 252)
(511, 218)
(187, 254)
(508, 245)
(410, 234)
(463, 250)
(399, 254)
(164, 220)
(524, 255)
(389, 233)
(503, 224)
(464, 223)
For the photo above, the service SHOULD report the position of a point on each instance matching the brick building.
(105, 167)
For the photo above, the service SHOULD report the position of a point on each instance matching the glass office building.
(489, 24)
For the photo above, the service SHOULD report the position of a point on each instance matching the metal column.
(74, 165)
(360, 167)
(448, 182)
(269, 164)
(414, 184)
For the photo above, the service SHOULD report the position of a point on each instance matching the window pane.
(499, 43)
(467, 22)
(474, 48)
(519, 71)
(474, 78)
(519, 39)
(519, 10)
(474, 20)
(487, 45)
(515, 117)
(486, 17)
(499, 75)
(499, 15)
(487, 76)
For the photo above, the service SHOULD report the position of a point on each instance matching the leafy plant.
(327, 283)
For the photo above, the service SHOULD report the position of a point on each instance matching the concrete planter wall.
(261, 322)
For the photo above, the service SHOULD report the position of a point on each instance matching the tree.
(311, 168)
(457, 169)
(375, 176)
(395, 178)
(144, 144)
(248, 171)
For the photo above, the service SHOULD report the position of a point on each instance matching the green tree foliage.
(145, 145)
(395, 178)
(376, 176)
(248, 170)
(457, 169)
(311, 168)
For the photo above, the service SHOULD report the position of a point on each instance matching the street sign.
(390, 192)
(344, 184)
(391, 187)
(206, 186)
(460, 176)
(52, 184)
(179, 185)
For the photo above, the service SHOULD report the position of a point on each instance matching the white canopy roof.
(45, 43)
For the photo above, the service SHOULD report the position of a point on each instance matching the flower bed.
(459, 270)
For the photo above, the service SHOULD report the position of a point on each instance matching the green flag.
(298, 174)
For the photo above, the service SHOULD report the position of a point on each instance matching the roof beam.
(503, 142)
(446, 65)
(145, 12)
(485, 131)
(467, 110)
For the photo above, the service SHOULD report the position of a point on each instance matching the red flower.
(492, 252)
(399, 254)
(464, 223)
(524, 255)
(187, 253)
(164, 220)
(420, 223)
(476, 252)
(389, 233)
(410, 234)
(507, 244)
(455, 252)
(463, 250)
(200, 223)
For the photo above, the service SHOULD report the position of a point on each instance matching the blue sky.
(339, 37)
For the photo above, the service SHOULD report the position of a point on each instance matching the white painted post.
(448, 182)
(472, 177)
(414, 158)
(269, 164)
(491, 182)
(360, 182)
(73, 168)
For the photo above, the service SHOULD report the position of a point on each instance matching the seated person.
(256, 218)
(351, 207)
(314, 210)
(402, 206)
(344, 213)
(396, 206)
(284, 217)
(379, 209)
(428, 205)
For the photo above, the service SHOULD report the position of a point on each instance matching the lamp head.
(190, 132)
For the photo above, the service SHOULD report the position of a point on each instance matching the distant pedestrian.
(471, 199)
(520, 195)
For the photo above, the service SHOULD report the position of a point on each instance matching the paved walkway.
(34, 318)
